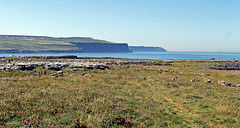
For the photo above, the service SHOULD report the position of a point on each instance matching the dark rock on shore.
(227, 66)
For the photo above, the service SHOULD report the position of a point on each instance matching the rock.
(85, 74)
(4, 78)
(208, 81)
(81, 69)
(82, 74)
(74, 69)
(22, 79)
(237, 87)
(78, 69)
(200, 74)
(60, 73)
(53, 67)
(226, 66)
(160, 70)
(59, 65)
(221, 82)
(227, 84)
(54, 75)
(3, 68)
(102, 67)
(193, 80)
(16, 68)
(175, 78)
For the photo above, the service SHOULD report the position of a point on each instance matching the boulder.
(227, 84)
(193, 80)
(208, 81)
(221, 82)
(60, 73)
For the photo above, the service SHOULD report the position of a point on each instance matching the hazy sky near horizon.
(177, 25)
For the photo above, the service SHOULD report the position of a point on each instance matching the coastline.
(144, 55)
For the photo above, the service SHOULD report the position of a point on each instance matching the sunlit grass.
(134, 96)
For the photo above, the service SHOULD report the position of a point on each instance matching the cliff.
(102, 47)
(146, 49)
(44, 44)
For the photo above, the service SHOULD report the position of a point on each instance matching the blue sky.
(177, 25)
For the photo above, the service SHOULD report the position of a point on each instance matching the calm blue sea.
(149, 55)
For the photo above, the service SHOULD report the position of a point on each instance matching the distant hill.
(38, 44)
(146, 49)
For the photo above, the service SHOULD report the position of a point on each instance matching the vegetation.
(41, 43)
(121, 96)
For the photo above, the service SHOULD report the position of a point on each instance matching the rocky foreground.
(57, 65)
(58, 62)
(52, 65)
(226, 66)
(109, 92)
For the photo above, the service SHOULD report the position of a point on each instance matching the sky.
(176, 25)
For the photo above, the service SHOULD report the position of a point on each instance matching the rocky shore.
(227, 66)
(58, 62)
(49, 63)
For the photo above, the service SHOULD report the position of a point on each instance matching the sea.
(145, 55)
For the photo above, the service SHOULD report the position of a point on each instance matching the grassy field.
(34, 45)
(121, 96)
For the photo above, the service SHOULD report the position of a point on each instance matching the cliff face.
(102, 47)
(44, 44)
(146, 49)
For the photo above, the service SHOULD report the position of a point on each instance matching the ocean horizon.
(145, 55)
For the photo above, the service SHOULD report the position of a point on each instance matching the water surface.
(146, 55)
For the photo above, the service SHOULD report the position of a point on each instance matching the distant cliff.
(146, 49)
(102, 47)
(44, 44)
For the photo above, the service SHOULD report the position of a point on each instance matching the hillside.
(35, 44)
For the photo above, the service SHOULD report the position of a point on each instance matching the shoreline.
(76, 57)
(143, 55)
(57, 63)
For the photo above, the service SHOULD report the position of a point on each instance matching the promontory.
(45, 44)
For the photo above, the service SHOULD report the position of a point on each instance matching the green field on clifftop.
(41, 43)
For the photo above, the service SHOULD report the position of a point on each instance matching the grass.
(36, 43)
(138, 96)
